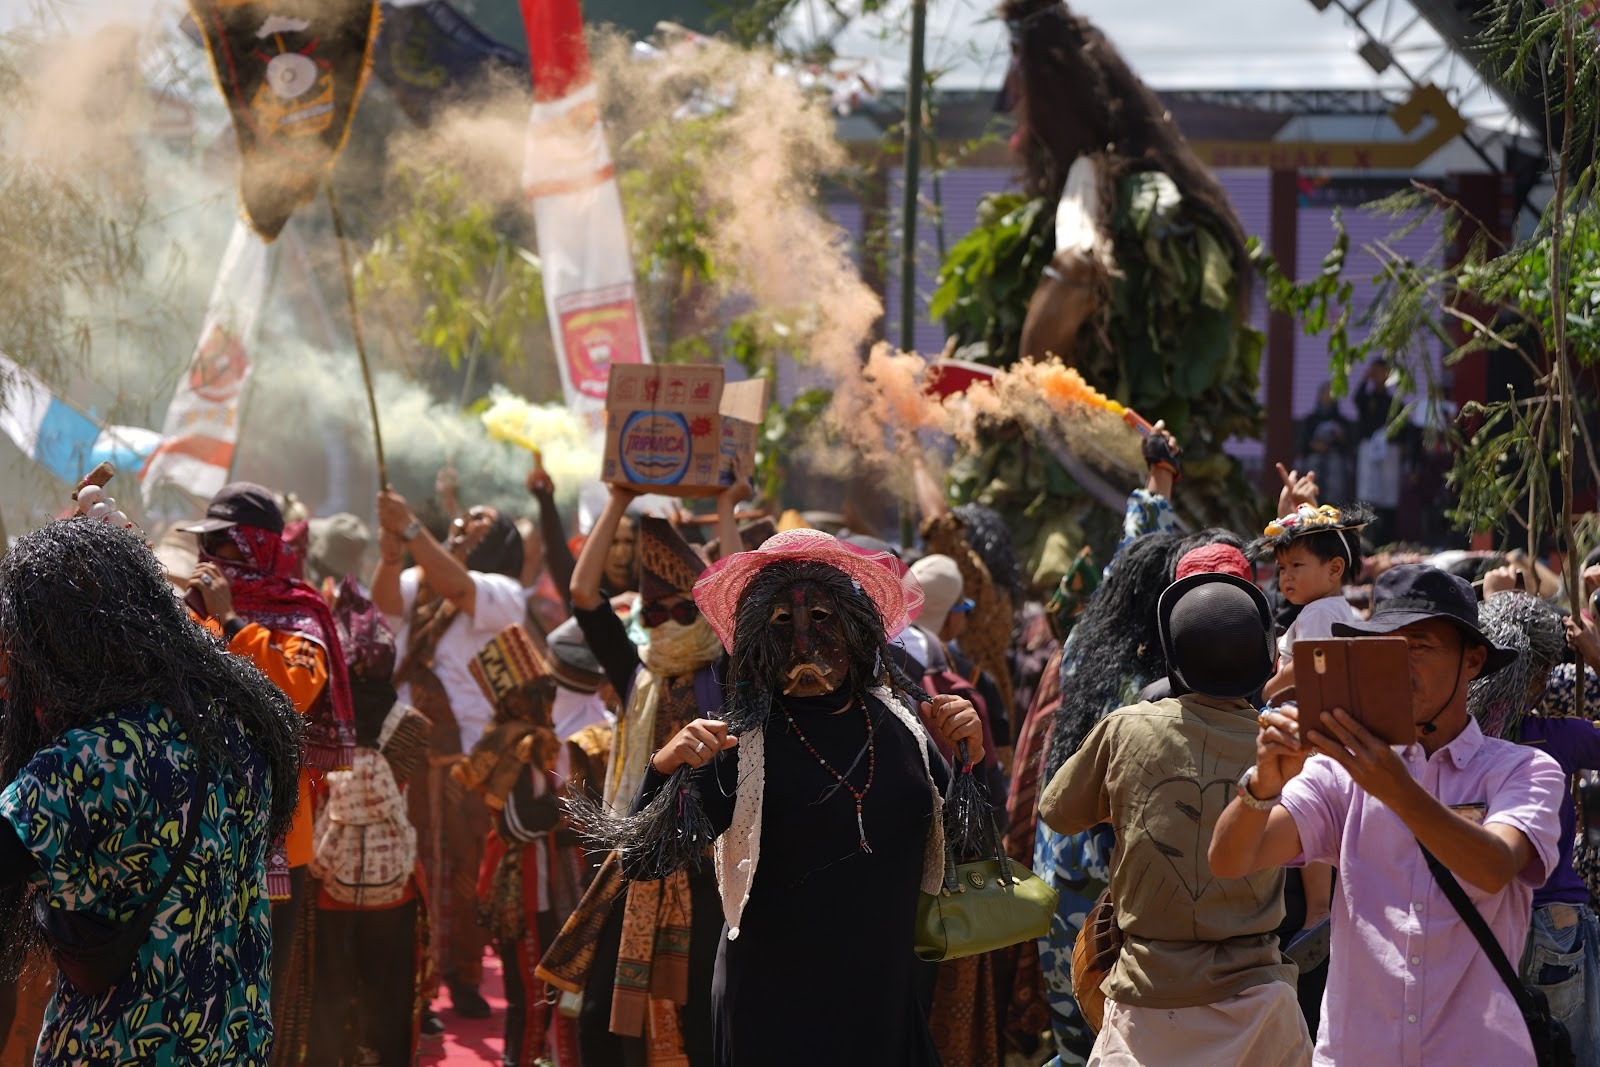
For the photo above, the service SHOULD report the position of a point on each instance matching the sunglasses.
(962, 607)
(683, 613)
(210, 542)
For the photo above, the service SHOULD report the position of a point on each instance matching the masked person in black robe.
(821, 771)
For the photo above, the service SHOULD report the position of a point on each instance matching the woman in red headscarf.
(249, 588)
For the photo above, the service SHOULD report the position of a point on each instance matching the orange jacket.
(299, 666)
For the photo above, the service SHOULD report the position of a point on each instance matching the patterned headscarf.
(266, 592)
(364, 634)
(667, 565)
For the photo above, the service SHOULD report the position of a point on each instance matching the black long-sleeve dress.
(823, 970)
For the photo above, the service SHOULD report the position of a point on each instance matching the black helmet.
(1218, 635)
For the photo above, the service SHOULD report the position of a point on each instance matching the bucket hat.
(942, 587)
(571, 661)
(1416, 592)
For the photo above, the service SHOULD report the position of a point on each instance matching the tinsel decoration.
(1533, 627)
(671, 833)
(969, 828)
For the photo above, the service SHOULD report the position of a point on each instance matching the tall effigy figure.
(1123, 257)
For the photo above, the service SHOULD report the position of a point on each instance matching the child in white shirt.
(1317, 551)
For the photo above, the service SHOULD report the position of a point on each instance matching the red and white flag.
(202, 424)
(568, 179)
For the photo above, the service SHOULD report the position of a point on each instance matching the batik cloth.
(527, 888)
(1146, 513)
(963, 1017)
(198, 990)
(1079, 866)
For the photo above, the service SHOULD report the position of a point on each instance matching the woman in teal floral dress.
(114, 704)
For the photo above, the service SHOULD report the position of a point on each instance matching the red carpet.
(470, 1041)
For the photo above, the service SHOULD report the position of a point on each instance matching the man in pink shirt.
(1408, 984)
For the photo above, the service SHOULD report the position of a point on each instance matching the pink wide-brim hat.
(885, 580)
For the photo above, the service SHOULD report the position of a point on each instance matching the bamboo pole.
(1562, 378)
(355, 329)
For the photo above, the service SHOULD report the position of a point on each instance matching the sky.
(1172, 43)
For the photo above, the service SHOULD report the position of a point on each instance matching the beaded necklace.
(872, 765)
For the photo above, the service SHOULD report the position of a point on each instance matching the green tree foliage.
(1536, 299)
(1170, 343)
(452, 269)
(70, 238)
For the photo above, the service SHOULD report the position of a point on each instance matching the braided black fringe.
(968, 820)
(670, 834)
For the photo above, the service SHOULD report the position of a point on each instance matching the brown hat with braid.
(667, 565)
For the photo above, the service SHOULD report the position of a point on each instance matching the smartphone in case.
(1369, 677)
(197, 603)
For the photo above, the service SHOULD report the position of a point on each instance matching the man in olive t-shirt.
(1200, 978)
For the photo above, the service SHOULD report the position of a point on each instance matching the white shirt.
(915, 641)
(571, 713)
(1315, 622)
(500, 603)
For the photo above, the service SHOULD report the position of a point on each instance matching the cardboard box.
(679, 430)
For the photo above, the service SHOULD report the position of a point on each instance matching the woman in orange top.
(248, 585)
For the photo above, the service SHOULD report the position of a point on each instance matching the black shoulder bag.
(1552, 1045)
(94, 952)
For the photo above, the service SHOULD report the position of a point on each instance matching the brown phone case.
(1369, 677)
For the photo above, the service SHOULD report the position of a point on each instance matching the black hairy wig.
(758, 659)
(1211, 535)
(990, 537)
(1115, 642)
(89, 627)
(1076, 95)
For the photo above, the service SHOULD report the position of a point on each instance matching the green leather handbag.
(983, 906)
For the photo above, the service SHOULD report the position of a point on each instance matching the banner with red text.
(202, 424)
(583, 237)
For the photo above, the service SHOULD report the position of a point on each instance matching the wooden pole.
(355, 330)
(1561, 380)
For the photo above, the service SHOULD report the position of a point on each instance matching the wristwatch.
(411, 532)
(1249, 798)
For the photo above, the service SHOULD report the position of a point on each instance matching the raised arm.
(1489, 856)
(591, 566)
(728, 526)
(557, 554)
(447, 575)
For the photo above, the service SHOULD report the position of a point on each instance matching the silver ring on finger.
(205, 579)
(699, 747)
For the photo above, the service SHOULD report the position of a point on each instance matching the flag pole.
(908, 213)
(355, 329)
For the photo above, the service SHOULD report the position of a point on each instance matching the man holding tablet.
(1411, 981)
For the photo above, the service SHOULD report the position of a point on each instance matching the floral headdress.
(1306, 521)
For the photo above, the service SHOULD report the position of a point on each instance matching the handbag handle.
(952, 884)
